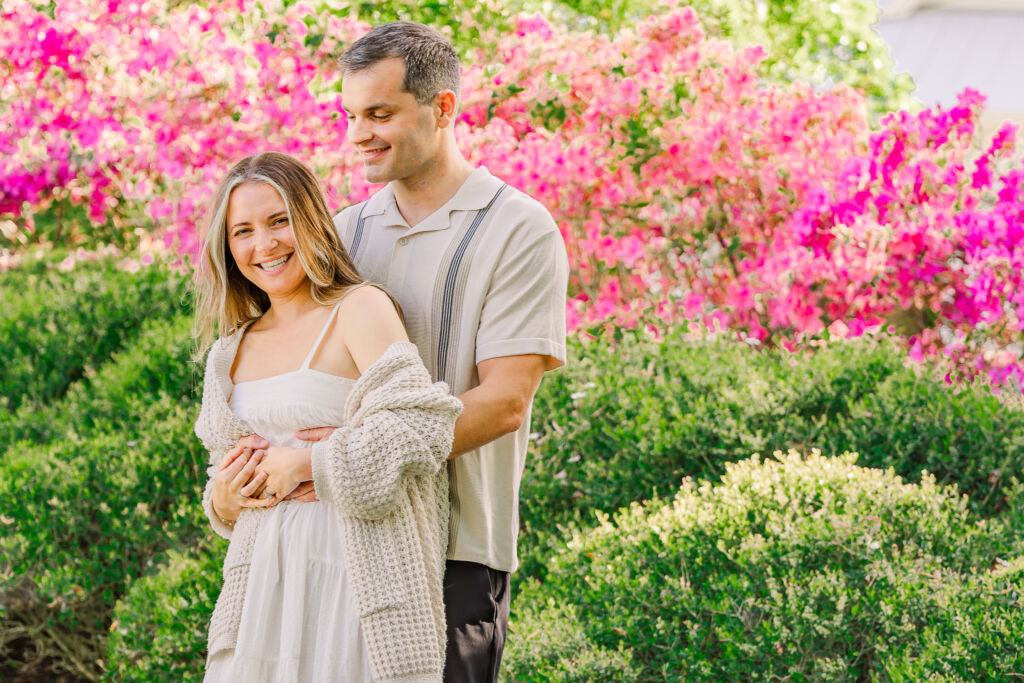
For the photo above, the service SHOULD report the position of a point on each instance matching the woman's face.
(261, 241)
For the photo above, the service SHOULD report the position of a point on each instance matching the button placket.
(399, 264)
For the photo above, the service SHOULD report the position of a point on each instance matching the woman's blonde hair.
(225, 299)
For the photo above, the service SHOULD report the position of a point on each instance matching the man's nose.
(357, 131)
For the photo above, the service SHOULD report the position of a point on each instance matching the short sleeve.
(524, 310)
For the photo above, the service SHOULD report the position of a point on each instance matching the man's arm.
(500, 403)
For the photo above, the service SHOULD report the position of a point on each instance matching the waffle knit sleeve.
(216, 433)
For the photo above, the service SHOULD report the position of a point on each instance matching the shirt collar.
(475, 193)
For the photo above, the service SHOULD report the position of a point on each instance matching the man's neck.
(420, 198)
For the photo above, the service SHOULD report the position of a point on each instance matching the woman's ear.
(445, 106)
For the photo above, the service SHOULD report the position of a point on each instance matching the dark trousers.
(476, 602)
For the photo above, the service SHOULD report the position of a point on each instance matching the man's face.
(397, 137)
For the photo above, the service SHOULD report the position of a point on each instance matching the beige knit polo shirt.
(482, 277)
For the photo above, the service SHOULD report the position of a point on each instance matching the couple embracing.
(367, 402)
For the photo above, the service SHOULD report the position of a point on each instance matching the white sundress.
(299, 621)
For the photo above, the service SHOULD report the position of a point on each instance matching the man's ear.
(445, 108)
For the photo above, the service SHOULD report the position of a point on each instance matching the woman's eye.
(281, 221)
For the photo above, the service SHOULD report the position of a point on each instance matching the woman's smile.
(275, 266)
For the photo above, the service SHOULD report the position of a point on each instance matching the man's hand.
(315, 434)
(303, 493)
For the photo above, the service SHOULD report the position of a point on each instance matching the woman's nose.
(265, 240)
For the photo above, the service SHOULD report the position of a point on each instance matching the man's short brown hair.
(431, 64)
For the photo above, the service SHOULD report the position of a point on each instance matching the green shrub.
(797, 569)
(976, 639)
(86, 518)
(112, 481)
(158, 363)
(550, 644)
(59, 327)
(159, 630)
(622, 421)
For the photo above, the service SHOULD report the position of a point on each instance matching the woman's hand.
(232, 481)
(281, 470)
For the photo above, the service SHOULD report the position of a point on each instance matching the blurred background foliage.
(821, 42)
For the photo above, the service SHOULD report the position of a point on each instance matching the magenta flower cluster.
(689, 192)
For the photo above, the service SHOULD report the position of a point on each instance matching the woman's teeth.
(270, 265)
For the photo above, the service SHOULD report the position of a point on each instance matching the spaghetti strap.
(327, 325)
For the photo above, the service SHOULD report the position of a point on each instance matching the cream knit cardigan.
(385, 472)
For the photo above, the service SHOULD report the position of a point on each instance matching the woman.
(342, 583)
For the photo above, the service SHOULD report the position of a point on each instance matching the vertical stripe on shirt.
(448, 291)
(358, 237)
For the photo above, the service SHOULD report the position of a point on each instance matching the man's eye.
(382, 117)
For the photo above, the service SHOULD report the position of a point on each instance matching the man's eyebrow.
(372, 107)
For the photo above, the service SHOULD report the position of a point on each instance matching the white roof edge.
(900, 9)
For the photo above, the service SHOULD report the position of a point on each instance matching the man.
(480, 271)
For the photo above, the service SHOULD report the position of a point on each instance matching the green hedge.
(622, 421)
(808, 569)
(157, 363)
(101, 474)
(110, 483)
(159, 628)
(59, 327)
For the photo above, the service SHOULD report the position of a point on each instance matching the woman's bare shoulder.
(370, 324)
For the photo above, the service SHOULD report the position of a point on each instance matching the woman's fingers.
(254, 486)
(258, 493)
(245, 473)
(233, 456)
(253, 441)
(245, 444)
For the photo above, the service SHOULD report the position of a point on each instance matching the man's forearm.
(485, 417)
(500, 403)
